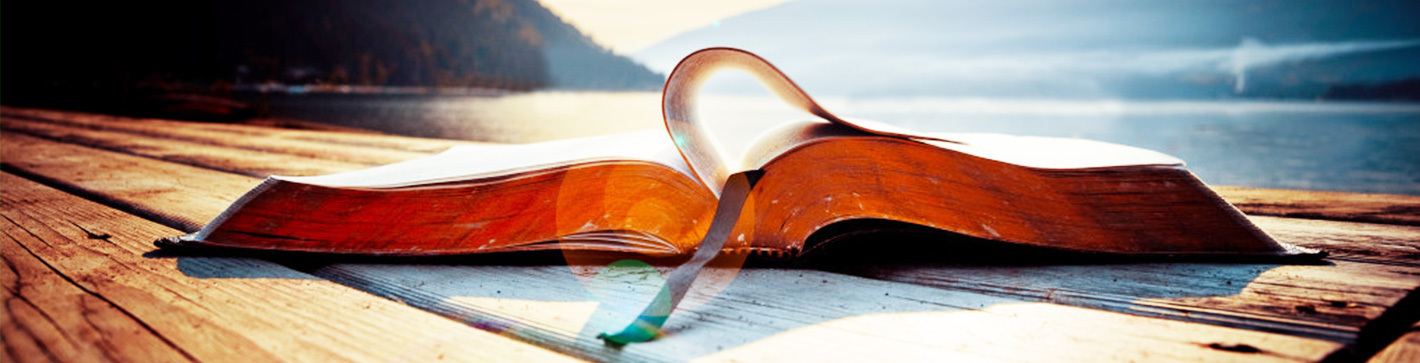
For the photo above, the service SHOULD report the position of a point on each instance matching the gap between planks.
(51, 318)
(1403, 350)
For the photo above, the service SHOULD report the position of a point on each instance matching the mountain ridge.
(121, 47)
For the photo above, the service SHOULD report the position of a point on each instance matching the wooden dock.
(84, 196)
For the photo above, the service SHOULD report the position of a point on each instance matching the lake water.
(1296, 145)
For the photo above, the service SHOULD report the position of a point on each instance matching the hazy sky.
(1024, 48)
(627, 26)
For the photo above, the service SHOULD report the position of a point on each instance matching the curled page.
(694, 140)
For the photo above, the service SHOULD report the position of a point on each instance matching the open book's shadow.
(874, 242)
(539, 298)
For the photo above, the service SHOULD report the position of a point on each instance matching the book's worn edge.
(236, 206)
(200, 236)
(174, 242)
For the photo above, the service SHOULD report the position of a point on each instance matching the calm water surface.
(1296, 145)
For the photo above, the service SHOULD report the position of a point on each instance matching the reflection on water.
(1296, 145)
(511, 118)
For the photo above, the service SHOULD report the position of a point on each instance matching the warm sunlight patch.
(988, 334)
(560, 316)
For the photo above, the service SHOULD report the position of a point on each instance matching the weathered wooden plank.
(47, 318)
(1330, 302)
(186, 193)
(242, 161)
(1361, 242)
(1374, 208)
(227, 309)
(253, 138)
(1405, 349)
(549, 305)
(367, 139)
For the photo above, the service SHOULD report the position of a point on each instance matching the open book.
(654, 194)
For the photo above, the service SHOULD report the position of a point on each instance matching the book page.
(470, 162)
(1032, 151)
(1051, 152)
(1029, 151)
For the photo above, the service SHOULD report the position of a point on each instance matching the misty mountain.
(1072, 49)
(506, 44)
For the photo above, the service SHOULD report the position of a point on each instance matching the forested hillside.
(118, 46)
